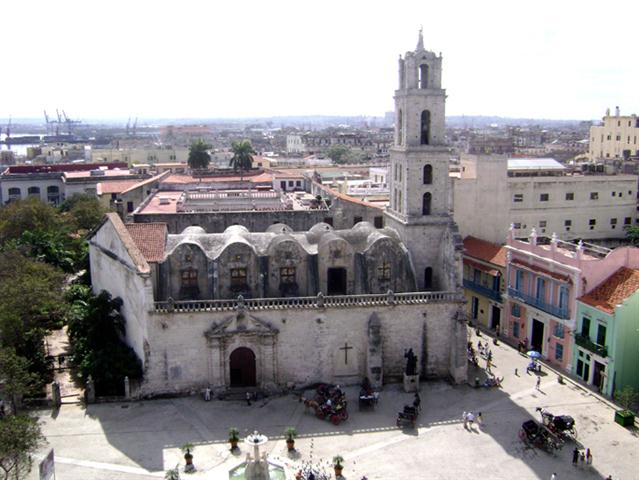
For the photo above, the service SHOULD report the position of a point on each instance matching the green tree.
(199, 157)
(85, 211)
(31, 303)
(17, 380)
(52, 247)
(96, 329)
(632, 234)
(20, 436)
(27, 215)
(339, 153)
(242, 159)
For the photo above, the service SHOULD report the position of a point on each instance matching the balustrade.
(280, 303)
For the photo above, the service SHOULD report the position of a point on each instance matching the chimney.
(616, 111)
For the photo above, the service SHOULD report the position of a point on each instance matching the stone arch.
(425, 128)
(423, 75)
(238, 270)
(288, 267)
(242, 367)
(428, 174)
(187, 277)
(426, 201)
(428, 278)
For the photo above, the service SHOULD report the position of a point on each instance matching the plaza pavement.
(140, 440)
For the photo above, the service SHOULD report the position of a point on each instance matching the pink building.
(545, 277)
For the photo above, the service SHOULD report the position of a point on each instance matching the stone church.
(281, 307)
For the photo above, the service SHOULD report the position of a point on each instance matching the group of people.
(581, 458)
(469, 419)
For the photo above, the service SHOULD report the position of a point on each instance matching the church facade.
(282, 307)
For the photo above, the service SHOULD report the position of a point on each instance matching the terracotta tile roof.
(150, 238)
(129, 244)
(486, 251)
(105, 188)
(614, 290)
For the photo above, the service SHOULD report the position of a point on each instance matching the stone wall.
(308, 345)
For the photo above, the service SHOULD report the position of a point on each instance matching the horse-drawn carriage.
(539, 436)
(561, 425)
(329, 403)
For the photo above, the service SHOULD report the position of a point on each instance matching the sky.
(110, 59)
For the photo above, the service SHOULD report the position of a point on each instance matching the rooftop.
(614, 290)
(117, 186)
(230, 200)
(530, 164)
(150, 239)
(485, 251)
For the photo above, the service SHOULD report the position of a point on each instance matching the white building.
(618, 137)
(314, 305)
(295, 144)
(494, 191)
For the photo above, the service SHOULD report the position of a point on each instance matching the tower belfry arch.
(420, 207)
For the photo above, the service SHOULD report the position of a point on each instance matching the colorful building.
(545, 278)
(607, 333)
(484, 271)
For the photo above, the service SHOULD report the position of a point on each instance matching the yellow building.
(484, 284)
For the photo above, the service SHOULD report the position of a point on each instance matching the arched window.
(425, 130)
(14, 194)
(400, 126)
(428, 278)
(53, 194)
(33, 191)
(428, 174)
(423, 76)
(426, 204)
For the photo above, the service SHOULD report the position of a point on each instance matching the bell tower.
(420, 208)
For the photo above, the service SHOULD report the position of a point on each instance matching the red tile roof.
(486, 251)
(614, 290)
(115, 186)
(150, 238)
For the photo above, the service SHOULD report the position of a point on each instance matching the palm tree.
(242, 159)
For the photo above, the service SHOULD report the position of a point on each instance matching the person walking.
(465, 419)
(588, 457)
(575, 456)
(538, 383)
(516, 373)
(248, 398)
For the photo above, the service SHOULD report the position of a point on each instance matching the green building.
(606, 349)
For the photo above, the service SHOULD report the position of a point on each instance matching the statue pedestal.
(411, 383)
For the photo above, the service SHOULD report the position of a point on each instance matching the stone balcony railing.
(319, 301)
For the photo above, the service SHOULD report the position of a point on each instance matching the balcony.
(482, 290)
(539, 304)
(591, 346)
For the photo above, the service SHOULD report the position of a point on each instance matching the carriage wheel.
(522, 435)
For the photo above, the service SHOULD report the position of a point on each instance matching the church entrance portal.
(336, 279)
(242, 367)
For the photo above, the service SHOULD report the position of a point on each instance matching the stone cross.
(346, 348)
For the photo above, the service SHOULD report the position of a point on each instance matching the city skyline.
(278, 59)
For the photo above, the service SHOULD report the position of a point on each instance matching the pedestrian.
(516, 373)
(465, 419)
(248, 398)
(207, 394)
(582, 459)
(588, 457)
(480, 419)
(538, 383)
(575, 456)
(490, 354)
(488, 362)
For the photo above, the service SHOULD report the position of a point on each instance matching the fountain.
(257, 466)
